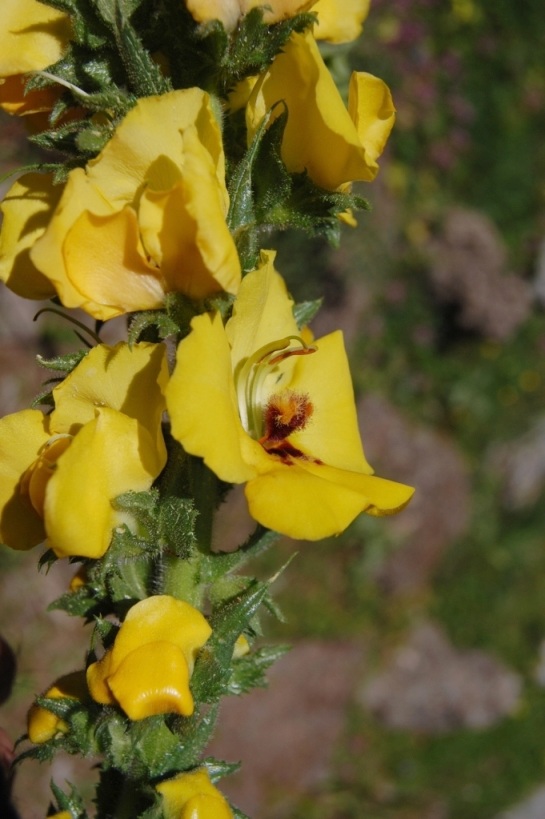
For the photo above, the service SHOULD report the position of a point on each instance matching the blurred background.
(415, 688)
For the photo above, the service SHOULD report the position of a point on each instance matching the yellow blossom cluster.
(144, 222)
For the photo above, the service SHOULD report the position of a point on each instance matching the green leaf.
(62, 363)
(176, 524)
(249, 671)
(213, 665)
(305, 311)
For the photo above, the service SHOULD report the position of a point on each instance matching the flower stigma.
(270, 414)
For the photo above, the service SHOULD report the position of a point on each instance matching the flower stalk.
(184, 137)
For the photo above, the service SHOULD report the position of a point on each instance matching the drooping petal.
(153, 679)
(109, 456)
(26, 208)
(340, 21)
(208, 424)
(22, 435)
(310, 501)
(117, 377)
(372, 110)
(320, 135)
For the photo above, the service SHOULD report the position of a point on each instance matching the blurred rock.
(439, 511)
(469, 270)
(531, 808)
(286, 735)
(432, 687)
(520, 465)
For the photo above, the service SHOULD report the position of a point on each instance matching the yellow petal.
(115, 377)
(185, 231)
(152, 130)
(311, 501)
(372, 110)
(332, 434)
(162, 618)
(226, 11)
(262, 312)
(276, 10)
(22, 435)
(78, 196)
(27, 209)
(97, 676)
(109, 456)
(320, 135)
(105, 263)
(153, 679)
(340, 21)
(193, 796)
(14, 99)
(205, 806)
(209, 424)
(43, 724)
(32, 37)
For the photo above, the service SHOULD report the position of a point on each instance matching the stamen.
(251, 379)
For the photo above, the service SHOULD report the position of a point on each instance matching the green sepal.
(144, 75)
(62, 363)
(305, 311)
(71, 801)
(249, 671)
(213, 665)
(254, 45)
(218, 564)
(176, 526)
(87, 28)
(173, 320)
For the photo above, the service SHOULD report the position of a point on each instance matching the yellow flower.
(63, 814)
(334, 145)
(59, 473)
(340, 21)
(43, 725)
(230, 11)
(144, 218)
(33, 36)
(193, 796)
(147, 671)
(270, 411)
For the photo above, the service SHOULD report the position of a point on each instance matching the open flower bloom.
(148, 669)
(144, 218)
(32, 37)
(193, 796)
(59, 473)
(333, 144)
(42, 724)
(277, 414)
